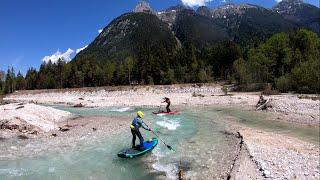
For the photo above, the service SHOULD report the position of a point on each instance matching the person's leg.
(168, 108)
(133, 138)
(140, 138)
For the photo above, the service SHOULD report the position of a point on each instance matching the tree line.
(290, 62)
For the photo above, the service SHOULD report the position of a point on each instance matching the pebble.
(267, 173)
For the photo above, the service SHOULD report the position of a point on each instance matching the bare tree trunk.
(129, 78)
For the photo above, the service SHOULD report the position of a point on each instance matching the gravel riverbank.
(80, 131)
(277, 156)
(290, 107)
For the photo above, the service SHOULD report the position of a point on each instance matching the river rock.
(267, 173)
(19, 107)
(23, 137)
(78, 105)
(64, 129)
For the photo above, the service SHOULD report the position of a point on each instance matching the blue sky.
(33, 29)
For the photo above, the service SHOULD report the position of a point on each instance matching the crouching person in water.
(135, 126)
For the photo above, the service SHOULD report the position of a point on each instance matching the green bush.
(284, 83)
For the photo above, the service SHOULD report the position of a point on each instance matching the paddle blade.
(169, 147)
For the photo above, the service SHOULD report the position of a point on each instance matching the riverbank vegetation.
(290, 62)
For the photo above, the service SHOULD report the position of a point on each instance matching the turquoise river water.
(197, 135)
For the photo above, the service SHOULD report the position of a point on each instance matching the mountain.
(191, 27)
(205, 11)
(142, 7)
(129, 35)
(246, 23)
(163, 32)
(300, 13)
(169, 15)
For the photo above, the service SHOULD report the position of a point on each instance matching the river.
(202, 147)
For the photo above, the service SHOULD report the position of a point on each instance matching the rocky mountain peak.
(288, 6)
(293, 1)
(142, 6)
(302, 14)
(295, 8)
(169, 15)
(205, 11)
(232, 9)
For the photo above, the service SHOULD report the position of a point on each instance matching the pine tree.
(2, 80)
(20, 82)
(10, 81)
(31, 79)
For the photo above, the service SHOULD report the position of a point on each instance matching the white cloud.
(278, 0)
(58, 55)
(100, 31)
(192, 3)
(80, 49)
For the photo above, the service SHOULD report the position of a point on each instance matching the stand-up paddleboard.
(166, 113)
(135, 152)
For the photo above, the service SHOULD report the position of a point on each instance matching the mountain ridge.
(245, 24)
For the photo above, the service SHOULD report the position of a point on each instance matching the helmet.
(140, 114)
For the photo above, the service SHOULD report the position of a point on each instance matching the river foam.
(170, 169)
(170, 124)
(123, 109)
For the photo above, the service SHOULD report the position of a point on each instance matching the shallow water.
(197, 135)
(258, 120)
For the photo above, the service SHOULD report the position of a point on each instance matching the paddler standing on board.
(135, 126)
(167, 100)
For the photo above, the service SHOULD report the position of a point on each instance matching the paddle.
(168, 146)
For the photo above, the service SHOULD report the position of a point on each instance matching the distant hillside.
(247, 24)
(300, 13)
(129, 35)
(190, 27)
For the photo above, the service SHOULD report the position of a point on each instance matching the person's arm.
(146, 128)
(165, 100)
(143, 125)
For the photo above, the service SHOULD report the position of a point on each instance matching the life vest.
(136, 123)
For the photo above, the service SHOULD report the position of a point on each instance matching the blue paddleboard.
(135, 152)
